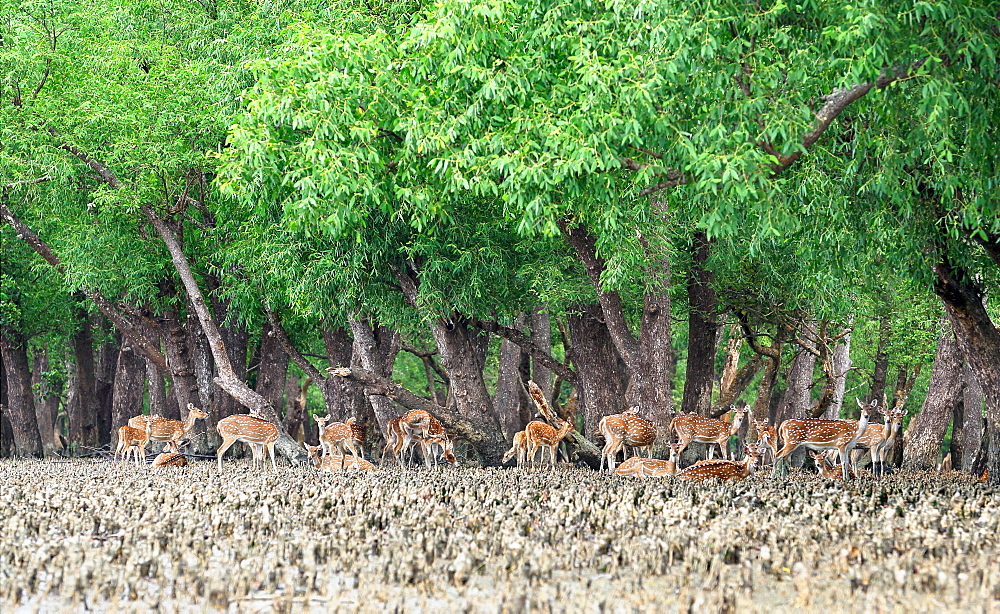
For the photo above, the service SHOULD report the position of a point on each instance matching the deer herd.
(341, 444)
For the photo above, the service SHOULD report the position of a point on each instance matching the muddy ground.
(82, 536)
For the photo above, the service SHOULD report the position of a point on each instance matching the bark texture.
(541, 335)
(20, 405)
(967, 433)
(601, 373)
(922, 449)
(46, 401)
(508, 397)
(374, 349)
(979, 339)
(703, 329)
(126, 398)
(83, 414)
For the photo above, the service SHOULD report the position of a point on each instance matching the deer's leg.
(845, 459)
(786, 449)
(226, 443)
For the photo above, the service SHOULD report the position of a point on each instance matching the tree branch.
(525, 343)
(585, 246)
(24, 233)
(286, 344)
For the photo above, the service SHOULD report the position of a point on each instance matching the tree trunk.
(6, 430)
(228, 377)
(157, 391)
(273, 367)
(600, 371)
(730, 367)
(541, 335)
(881, 372)
(922, 448)
(20, 398)
(507, 399)
(374, 350)
(797, 400)
(967, 433)
(83, 418)
(649, 358)
(44, 401)
(979, 340)
(841, 366)
(459, 352)
(177, 348)
(703, 329)
(126, 398)
(107, 364)
(295, 406)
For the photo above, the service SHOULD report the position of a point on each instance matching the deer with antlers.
(626, 428)
(723, 469)
(169, 431)
(650, 467)
(819, 435)
(256, 432)
(541, 435)
(133, 440)
(695, 428)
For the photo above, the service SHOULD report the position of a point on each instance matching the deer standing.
(419, 428)
(819, 435)
(768, 436)
(338, 435)
(881, 437)
(169, 431)
(723, 469)
(250, 430)
(133, 440)
(625, 428)
(540, 435)
(695, 428)
(520, 448)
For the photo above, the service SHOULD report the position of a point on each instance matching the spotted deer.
(819, 435)
(169, 459)
(339, 435)
(695, 428)
(881, 437)
(133, 440)
(422, 429)
(519, 448)
(626, 428)
(723, 469)
(335, 462)
(768, 436)
(827, 470)
(650, 467)
(250, 430)
(541, 435)
(169, 431)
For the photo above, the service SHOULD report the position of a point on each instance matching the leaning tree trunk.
(20, 398)
(923, 439)
(881, 372)
(703, 329)
(227, 377)
(600, 371)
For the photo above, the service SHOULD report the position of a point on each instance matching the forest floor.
(94, 536)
